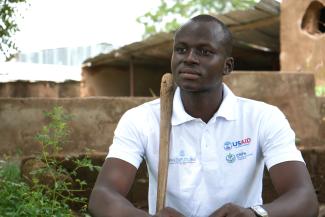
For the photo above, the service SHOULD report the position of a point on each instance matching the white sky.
(61, 23)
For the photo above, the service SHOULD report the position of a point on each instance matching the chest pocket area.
(184, 172)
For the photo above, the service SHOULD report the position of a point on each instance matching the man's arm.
(297, 196)
(114, 181)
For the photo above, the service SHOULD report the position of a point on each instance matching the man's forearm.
(298, 202)
(107, 203)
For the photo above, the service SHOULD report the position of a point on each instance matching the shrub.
(52, 188)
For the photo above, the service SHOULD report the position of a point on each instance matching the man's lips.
(189, 74)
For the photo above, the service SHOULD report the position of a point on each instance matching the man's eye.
(180, 50)
(205, 52)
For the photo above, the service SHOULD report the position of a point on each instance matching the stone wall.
(40, 89)
(302, 37)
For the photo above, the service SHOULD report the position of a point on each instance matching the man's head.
(201, 54)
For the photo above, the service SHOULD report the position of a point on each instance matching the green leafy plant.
(169, 14)
(18, 199)
(52, 189)
(56, 181)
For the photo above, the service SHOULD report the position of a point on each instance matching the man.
(219, 143)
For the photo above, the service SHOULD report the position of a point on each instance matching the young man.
(219, 143)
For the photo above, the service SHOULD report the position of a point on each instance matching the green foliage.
(9, 10)
(170, 13)
(63, 182)
(54, 135)
(320, 90)
(19, 200)
(54, 188)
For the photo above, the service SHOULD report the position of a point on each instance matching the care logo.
(230, 158)
(241, 155)
(236, 144)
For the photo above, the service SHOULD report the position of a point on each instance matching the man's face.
(199, 57)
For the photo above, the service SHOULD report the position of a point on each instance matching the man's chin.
(190, 88)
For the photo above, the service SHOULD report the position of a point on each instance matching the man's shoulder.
(252, 105)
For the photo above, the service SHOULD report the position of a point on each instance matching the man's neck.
(202, 104)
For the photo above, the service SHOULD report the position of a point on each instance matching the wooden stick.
(166, 109)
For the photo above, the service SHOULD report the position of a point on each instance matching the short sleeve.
(129, 139)
(277, 139)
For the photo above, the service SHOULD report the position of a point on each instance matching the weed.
(53, 187)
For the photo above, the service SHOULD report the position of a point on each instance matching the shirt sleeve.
(277, 139)
(129, 140)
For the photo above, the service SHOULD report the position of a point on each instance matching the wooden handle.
(166, 109)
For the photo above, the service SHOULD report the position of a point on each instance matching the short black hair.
(227, 39)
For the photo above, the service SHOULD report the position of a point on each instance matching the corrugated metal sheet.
(256, 28)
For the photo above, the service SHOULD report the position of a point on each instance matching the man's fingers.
(232, 210)
(169, 212)
(221, 212)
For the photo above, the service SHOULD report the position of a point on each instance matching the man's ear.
(229, 65)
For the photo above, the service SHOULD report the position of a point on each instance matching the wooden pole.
(166, 109)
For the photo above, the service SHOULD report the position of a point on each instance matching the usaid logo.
(227, 146)
(236, 144)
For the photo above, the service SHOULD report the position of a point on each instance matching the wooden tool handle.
(166, 109)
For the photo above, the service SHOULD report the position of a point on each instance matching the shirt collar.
(226, 110)
(228, 107)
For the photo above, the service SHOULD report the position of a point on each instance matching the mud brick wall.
(321, 106)
(314, 158)
(95, 118)
(92, 126)
(294, 94)
(40, 89)
(302, 37)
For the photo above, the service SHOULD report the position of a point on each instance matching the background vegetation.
(169, 14)
(10, 10)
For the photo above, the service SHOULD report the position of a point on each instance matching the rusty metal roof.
(255, 29)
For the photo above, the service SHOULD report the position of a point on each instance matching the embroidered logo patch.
(182, 158)
(236, 144)
(230, 158)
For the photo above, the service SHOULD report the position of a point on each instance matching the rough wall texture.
(115, 81)
(105, 81)
(314, 158)
(321, 106)
(40, 89)
(302, 41)
(95, 118)
(294, 94)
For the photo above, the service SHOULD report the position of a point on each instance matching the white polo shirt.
(210, 163)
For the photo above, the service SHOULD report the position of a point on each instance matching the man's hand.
(232, 210)
(169, 212)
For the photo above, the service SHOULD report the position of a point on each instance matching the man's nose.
(191, 57)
